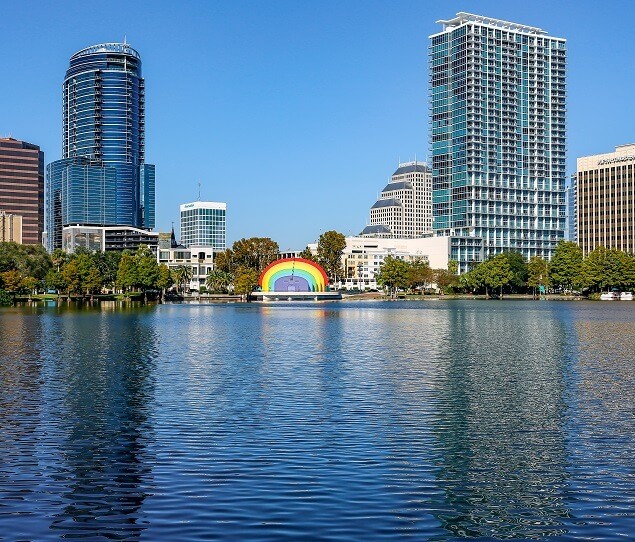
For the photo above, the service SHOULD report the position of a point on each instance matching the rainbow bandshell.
(293, 275)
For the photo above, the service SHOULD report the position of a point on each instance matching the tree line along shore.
(29, 271)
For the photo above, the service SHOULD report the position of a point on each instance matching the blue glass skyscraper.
(498, 93)
(102, 178)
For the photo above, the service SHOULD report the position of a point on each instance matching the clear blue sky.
(294, 112)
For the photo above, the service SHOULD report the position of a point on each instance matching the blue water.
(343, 421)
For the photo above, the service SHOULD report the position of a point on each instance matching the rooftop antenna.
(199, 191)
(125, 40)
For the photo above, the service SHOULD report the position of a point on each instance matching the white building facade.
(363, 256)
(203, 224)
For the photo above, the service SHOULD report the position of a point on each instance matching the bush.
(5, 299)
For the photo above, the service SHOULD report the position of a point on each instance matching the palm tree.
(218, 281)
(182, 275)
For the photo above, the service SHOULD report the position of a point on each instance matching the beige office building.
(606, 200)
(404, 208)
(10, 227)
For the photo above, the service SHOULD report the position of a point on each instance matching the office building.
(22, 186)
(10, 228)
(203, 224)
(605, 189)
(404, 208)
(102, 178)
(498, 99)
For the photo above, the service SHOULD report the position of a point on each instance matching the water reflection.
(500, 425)
(87, 461)
(381, 421)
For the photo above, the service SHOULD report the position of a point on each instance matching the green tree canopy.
(565, 267)
(218, 281)
(307, 254)
(147, 269)
(253, 253)
(393, 275)
(537, 272)
(182, 274)
(419, 273)
(330, 248)
(127, 272)
(246, 280)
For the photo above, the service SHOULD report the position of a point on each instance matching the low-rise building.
(10, 227)
(199, 259)
(363, 256)
(106, 238)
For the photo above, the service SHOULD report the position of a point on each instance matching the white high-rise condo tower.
(498, 99)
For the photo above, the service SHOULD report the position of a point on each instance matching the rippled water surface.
(369, 421)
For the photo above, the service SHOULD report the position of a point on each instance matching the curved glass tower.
(102, 178)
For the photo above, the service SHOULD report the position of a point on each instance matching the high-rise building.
(404, 208)
(102, 178)
(203, 224)
(605, 200)
(572, 213)
(498, 98)
(22, 186)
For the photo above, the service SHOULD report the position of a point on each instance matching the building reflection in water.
(101, 378)
(21, 395)
(501, 424)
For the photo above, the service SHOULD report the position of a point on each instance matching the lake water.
(347, 421)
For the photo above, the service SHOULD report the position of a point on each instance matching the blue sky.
(295, 113)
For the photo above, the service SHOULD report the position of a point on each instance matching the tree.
(218, 281)
(565, 268)
(127, 272)
(93, 281)
(72, 276)
(108, 265)
(12, 280)
(245, 281)
(393, 275)
(29, 260)
(445, 279)
(224, 261)
(606, 268)
(165, 279)
(537, 273)
(30, 284)
(55, 281)
(330, 248)
(253, 253)
(419, 273)
(497, 272)
(182, 275)
(518, 267)
(147, 270)
(307, 254)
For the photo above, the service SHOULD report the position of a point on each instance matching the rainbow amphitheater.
(294, 279)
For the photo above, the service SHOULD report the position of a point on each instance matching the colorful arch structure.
(291, 275)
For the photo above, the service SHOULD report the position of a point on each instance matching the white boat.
(626, 296)
(609, 296)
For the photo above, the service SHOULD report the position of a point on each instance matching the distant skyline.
(294, 113)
